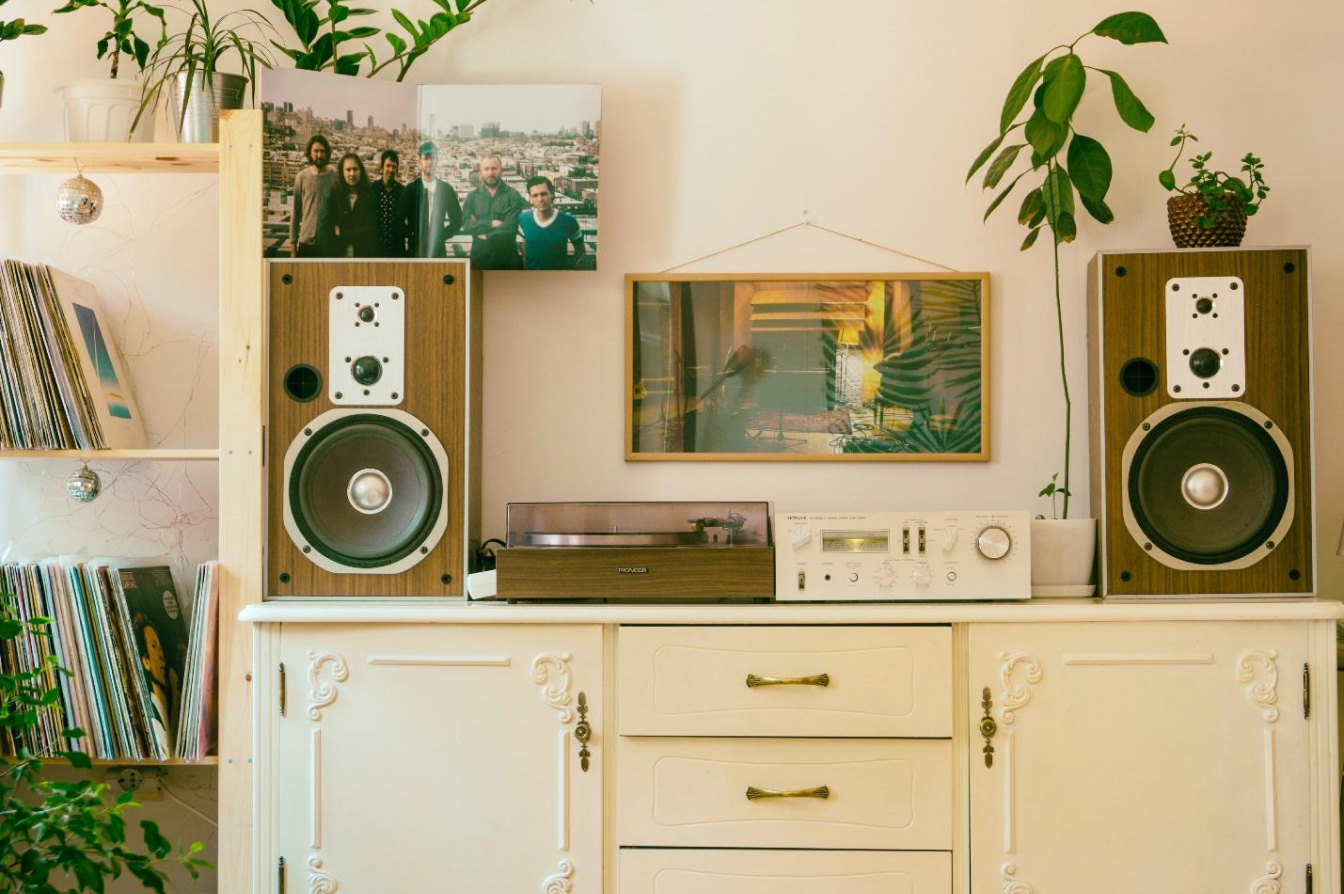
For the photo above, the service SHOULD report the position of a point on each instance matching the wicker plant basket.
(1182, 212)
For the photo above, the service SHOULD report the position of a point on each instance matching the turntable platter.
(616, 538)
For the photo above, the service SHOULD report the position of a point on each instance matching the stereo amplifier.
(902, 556)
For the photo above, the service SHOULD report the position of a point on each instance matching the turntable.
(637, 552)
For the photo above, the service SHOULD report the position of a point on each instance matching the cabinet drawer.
(880, 794)
(653, 871)
(693, 681)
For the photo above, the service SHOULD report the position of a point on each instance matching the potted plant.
(1211, 209)
(323, 26)
(1050, 88)
(13, 30)
(187, 66)
(57, 835)
(102, 109)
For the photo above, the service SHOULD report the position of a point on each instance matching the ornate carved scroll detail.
(1016, 694)
(323, 692)
(1269, 884)
(551, 672)
(320, 882)
(560, 883)
(1011, 883)
(1256, 668)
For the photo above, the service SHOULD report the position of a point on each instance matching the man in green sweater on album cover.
(490, 215)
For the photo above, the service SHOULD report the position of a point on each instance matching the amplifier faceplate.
(902, 556)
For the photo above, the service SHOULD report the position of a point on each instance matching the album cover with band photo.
(503, 174)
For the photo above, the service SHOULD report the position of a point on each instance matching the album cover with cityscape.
(503, 174)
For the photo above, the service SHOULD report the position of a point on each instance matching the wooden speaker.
(373, 441)
(1200, 420)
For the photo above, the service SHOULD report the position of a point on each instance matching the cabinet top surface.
(449, 611)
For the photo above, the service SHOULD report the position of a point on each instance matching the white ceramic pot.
(101, 111)
(1063, 552)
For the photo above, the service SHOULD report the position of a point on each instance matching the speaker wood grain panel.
(1127, 320)
(442, 390)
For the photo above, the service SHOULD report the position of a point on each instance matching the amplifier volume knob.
(922, 575)
(994, 542)
(885, 576)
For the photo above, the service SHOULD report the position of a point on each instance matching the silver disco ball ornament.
(83, 485)
(79, 201)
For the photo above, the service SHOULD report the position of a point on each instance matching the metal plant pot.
(196, 117)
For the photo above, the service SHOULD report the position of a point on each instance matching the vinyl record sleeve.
(100, 362)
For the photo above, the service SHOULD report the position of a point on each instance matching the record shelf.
(109, 158)
(237, 160)
(155, 454)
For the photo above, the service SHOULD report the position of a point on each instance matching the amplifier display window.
(855, 541)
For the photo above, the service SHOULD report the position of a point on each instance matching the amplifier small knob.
(994, 542)
(922, 576)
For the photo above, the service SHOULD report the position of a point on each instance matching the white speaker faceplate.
(1206, 338)
(366, 334)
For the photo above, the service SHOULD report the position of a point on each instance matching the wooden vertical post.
(242, 483)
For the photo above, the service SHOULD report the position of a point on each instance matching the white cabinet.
(433, 758)
(1140, 757)
(1135, 748)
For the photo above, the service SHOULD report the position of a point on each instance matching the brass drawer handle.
(755, 794)
(815, 680)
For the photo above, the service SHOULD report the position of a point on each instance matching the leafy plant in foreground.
(63, 837)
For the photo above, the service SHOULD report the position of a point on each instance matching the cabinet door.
(439, 758)
(1139, 757)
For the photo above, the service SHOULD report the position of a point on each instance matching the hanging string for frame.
(807, 222)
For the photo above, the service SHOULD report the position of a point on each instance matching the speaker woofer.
(365, 492)
(1208, 485)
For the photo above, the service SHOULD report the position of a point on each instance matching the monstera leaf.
(938, 378)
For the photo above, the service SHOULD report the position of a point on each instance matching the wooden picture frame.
(871, 367)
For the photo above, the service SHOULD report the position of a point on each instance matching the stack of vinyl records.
(196, 726)
(62, 383)
(120, 631)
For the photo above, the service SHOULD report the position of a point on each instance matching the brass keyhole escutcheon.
(988, 727)
(583, 731)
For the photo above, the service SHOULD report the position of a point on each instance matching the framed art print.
(846, 367)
